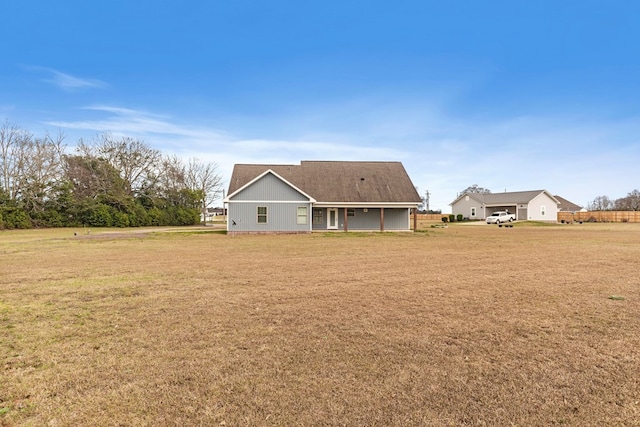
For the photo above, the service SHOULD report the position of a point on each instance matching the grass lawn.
(464, 325)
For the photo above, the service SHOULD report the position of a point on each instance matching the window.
(262, 214)
(351, 212)
(543, 210)
(473, 212)
(302, 214)
(317, 216)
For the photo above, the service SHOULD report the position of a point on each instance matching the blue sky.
(509, 95)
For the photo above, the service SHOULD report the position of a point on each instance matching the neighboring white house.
(537, 205)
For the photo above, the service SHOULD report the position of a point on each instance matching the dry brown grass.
(468, 325)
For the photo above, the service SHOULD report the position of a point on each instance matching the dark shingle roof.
(506, 198)
(336, 181)
(511, 197)
(566, 205)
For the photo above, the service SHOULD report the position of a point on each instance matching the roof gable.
(478, 197)
(337, 181)
(261, 177)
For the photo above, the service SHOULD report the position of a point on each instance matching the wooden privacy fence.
(592, 216)
(430, 217)
(600, 216)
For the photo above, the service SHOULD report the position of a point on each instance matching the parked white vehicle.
(499, 217)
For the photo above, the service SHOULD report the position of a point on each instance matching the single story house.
(537, 205)
(320, 195)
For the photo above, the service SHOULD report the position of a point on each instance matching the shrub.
(53, 219)
(452, 217)
(459, 217)
(445, 219)
(100, 217)
(120, 219)
(15, 218)
(186, 216)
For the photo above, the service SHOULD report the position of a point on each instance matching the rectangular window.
(302, 214)
(543, 210)
(317, 216)
(473, 212)
(262, 214)
(351, 212)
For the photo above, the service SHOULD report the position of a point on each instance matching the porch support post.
(346, 225)
(415, 219)
(381, 219)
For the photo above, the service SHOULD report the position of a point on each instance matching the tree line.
(629, 203)
(107, 181)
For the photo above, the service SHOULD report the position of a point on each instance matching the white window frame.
(302, 218)
(265, 215)
(543, 210)
(473, 212)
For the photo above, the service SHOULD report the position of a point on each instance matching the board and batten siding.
(281, 217)
(281, 200)
(270, 188)
(394, 219)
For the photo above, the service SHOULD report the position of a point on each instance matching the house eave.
(367, 204)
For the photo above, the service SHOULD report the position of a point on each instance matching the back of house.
(320, 195)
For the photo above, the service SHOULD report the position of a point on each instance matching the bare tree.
(41, 170)
(13, 140)
(600, 203)
(629, 203)
(204, 177)
(135, 160)
(171, 179)
(476, 189)
(29, 167)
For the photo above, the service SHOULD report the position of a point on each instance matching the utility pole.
(426, 200)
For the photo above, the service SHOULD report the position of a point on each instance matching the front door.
(332, 219)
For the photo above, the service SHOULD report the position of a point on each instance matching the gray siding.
(280, 199)
(281, 217)
(270, 188)
(394, 219)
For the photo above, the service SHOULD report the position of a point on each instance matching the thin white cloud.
(576, 157)
(138, 123)
(188, 141)
(162, 129)
(67, 81)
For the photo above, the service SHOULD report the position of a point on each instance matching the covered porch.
(363, 218)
